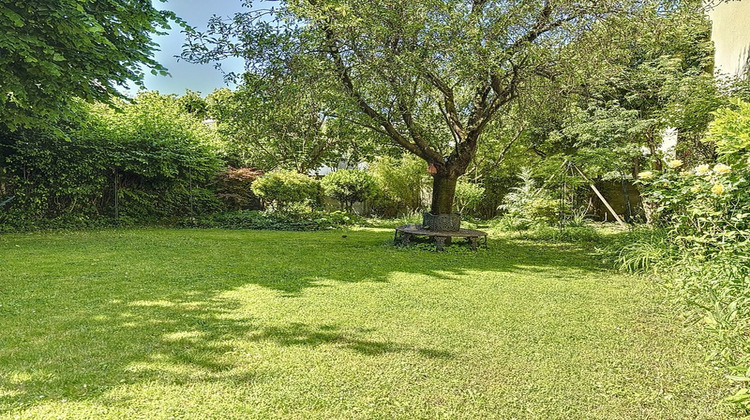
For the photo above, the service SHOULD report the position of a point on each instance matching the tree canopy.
(429, 76)
(55, 50)
(278, 125)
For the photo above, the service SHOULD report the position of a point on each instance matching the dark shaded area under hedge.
(259, 220)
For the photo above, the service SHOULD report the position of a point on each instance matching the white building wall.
(731, 35)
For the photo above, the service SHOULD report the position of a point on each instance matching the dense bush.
(642, 250)
(704, 209)
(163, 156)
(468, 196)
(730, 132)
(403, 185)
(349, 186)
(50, 176)
(147, 160)
(573, 234)
(496, 186)
(527, 205)
(705, 212)
(281, 190)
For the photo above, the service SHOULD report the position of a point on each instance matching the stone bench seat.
(405, 233)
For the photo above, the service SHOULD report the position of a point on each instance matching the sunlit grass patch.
(233, 324)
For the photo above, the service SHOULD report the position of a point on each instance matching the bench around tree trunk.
(405, 233)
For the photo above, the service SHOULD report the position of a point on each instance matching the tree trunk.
(443, 193)
(654, 150)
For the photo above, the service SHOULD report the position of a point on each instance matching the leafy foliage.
(145, 161)
(234, 187)
(730, 132)
(280, 125)
(705, 213)
(349, 186)
(52, 51)
(280, 190)
(308, 220)
(163, 155)
(705, 209)
(49, 176)
(527, 204)
(468, 196)
(653, 72)
(402, 183)
(428, 76)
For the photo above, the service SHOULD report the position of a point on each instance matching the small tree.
(349, 186)
(281, 189)
(235, 187)
(528, 204)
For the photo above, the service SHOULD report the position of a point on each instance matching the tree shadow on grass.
(301, 334)
(87, 352)
(151, 308)
(293, 265)
(83, 357)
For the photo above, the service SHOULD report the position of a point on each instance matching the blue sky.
(203, 78)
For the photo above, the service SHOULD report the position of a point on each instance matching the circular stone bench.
(405, 233)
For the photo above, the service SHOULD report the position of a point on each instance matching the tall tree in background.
(55, 50)
(659, 76)
(430, 76)
(280, 125)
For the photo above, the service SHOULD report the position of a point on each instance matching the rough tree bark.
(443, 193)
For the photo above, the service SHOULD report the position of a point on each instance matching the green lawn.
(162, 323)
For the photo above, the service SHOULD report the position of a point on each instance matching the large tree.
(429, 75)
(53, 50)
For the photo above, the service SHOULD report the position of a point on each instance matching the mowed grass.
(160, 323)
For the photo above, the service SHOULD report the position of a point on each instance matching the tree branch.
(449, 102)
(345, 78)
(506, 149)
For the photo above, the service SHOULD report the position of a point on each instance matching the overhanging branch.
(345, 77)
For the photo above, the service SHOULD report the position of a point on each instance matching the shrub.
(730, 132)
(148, 160)
(704, 209)
(527, 205)
(583, 234)
(17, 221)
(234, 188)
(52, 176)
(288, 220)
(640, 250)
(496, 186)
(281, 189)
(403, 184)
(468, 196)
(705, 213)
(349, 186)
(642, 256)
(717, 292)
